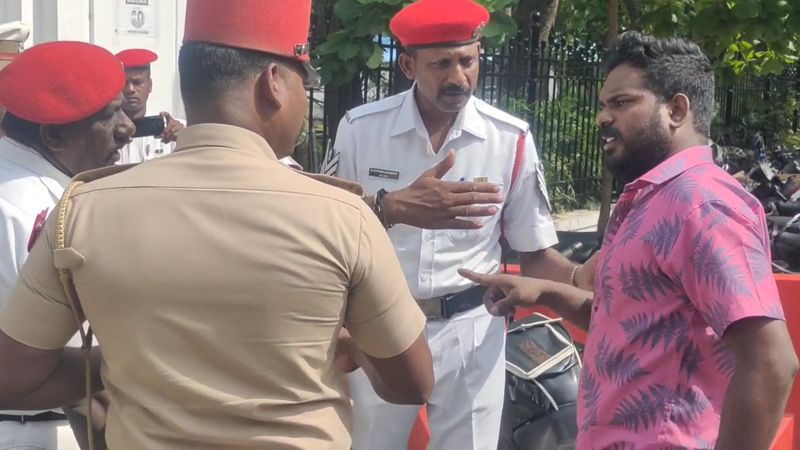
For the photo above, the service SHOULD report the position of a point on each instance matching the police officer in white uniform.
(138, 86)
(385, 146)
(64, 116)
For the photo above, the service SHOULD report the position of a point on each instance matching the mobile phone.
(149, 126)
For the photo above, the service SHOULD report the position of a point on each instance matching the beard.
(647, 147)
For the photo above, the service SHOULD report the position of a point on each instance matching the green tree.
(758, 35)
(346, 32)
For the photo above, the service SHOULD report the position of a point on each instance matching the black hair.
(671, 66)
(207, 69)
(23, 131)
(140, 69)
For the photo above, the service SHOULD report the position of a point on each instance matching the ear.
(407, 65)
(53, 137)
(271, 84)
(679, 110)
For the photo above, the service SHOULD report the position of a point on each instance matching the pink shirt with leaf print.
(685, 256)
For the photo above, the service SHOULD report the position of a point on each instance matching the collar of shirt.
(226, 136)
(468, 118)
(672, 167)
(24, 156)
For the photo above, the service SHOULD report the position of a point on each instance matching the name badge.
(383, 173)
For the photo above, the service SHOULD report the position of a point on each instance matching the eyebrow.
(618, 95)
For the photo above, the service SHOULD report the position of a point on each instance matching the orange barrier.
(784, 438)
(789, 290)
(420, 434)
(578, 335)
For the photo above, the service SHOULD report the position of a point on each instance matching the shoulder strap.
(518, 157)
(65, 277)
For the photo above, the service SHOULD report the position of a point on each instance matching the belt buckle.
(432, 308)
(443, 304)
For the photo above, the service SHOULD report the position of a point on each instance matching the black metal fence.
(751, 104)
(555, 88)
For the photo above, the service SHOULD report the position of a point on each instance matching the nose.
(128, 88)
(603, 118)
(457, 76)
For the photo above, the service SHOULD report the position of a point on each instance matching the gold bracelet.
(572, 279)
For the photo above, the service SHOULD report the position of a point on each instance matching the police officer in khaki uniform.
(228, 339)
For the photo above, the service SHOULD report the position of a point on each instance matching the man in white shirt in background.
(138, 86)
(64, 117)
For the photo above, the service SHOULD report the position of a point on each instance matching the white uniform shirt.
(386, 145)
(144, 148)
(28, 185)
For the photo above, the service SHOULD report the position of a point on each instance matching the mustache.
(608, 132)
(455, 90)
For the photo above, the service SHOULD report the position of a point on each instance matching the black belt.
(41, 417)
(447, 306)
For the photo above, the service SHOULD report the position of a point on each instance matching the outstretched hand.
(505, 293)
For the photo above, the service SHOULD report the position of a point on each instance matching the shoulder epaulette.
(502, 116)
(375, 107)
(96, 174)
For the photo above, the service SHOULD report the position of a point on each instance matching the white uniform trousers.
(51, 435)
(465, 407)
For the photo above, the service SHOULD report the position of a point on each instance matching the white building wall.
(96, 21)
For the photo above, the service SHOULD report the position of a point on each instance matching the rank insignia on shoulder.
(38, 225)
(481, 179)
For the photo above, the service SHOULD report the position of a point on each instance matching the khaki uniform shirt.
(247, 270)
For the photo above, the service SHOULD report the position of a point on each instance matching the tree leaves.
(376, 58)
(499, 28)
(354, 45)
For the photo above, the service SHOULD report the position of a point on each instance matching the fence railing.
(555, 88)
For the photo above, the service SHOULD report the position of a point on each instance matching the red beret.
(60, 82)
(279, 27)
(136, 57)
(435, 23)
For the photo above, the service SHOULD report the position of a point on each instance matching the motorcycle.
(774, 179)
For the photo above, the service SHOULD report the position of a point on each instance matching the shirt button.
(424, 277)
(429, 236)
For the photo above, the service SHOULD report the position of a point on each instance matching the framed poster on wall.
(136, 18)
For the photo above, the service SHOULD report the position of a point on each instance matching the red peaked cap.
(439, 23)
(279, 27)
(60, 82)
(136, 57)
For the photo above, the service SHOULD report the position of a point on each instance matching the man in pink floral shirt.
(687, 347)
